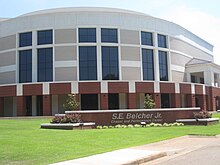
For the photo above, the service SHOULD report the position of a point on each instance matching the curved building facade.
(110, 58)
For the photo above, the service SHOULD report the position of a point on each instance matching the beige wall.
(65, 53)
(8, 42)
(131, 73)
(8, 58)
(66, 74)
(65, 36)
(178, 59)
(130, 37)
(182, 46)
(178, 76)
(130, 53)
(7, 77)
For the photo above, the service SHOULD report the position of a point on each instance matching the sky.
(202, 17)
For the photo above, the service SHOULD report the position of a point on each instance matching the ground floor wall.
(45, 99)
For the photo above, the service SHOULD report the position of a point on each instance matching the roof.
(198, 61)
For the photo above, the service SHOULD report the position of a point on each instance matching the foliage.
(148, 102)
(202, 115)
(71, 103)
(68, 118)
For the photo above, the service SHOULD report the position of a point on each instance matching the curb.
(146, 159)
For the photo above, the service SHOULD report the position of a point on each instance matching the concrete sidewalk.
(146, 153)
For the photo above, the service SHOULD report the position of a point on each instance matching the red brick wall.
(104, 101)
(7, 91)
(185, 88)
(144, 87)
(21, 106)
(32, 89)
(190, 100)
(175, 100)
(156, 97)
(167, 88)
(47, 105)
(118, 87)
(199, 89)
(132, 101)
(89, 87)
(1, 106)
(60, 88)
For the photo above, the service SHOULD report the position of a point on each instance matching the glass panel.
(165, 101)
(25, 39)
(109, 35)
(163, 66)
(87, 34)
(146, 38)
(148, 64)
(162, 41)
(113, 101)
(45, 37)
(25, 66)
(89, 101)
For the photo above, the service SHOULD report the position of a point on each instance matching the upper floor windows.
(87, 63)
(146, 38)
(44, 37)
(109, 35)
(162, 41)
(25, 39)
(25, 66)
(163, 66)
(148, 64)
(45, 64)
(110, 68)
(87, 34)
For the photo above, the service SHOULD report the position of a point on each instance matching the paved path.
(150, 153)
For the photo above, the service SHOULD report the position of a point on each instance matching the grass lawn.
(23, 142)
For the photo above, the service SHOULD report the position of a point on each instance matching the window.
(162, 41)
(45, 64)
(165, 100)
(193, 79)
(146, 38)
(87, 63)
(25, 39)
(148, 64)
(163, 66)
(109, 35)
(25, 66)
(110, 63)
(87, 35)
(113, 101)
(89, 102)
(44, 37)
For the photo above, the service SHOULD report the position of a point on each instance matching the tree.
(71, 103)
(148, 102)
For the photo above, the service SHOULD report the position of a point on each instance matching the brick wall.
(21, 106)
(175, 100)
(144, 87)
(7, 91)
(89, 87)
(199, 89)
(167, 88)
(104, 101)
(118, 87)
(60, 88)
(185, 88)
(132, 103)
(32, 89)
(156, 97)
(47, 105)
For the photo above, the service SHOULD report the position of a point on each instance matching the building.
(110, 58)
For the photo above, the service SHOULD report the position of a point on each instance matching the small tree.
(71, 103)
(148, 102)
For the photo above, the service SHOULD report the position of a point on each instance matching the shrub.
(152, 124)
(202, 115)
(57, 119)
(118, 126)
(137, 126)
(71, 103)
(68, 118)
(130, 126)
(166, 125)
(105, 127)
(99, 127)
(148, 102)
(110, 126)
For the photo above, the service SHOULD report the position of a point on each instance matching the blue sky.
(202, 17)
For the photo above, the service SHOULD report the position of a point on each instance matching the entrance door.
(39, 106)
(28, 105)
(113, 101)
(89, 102)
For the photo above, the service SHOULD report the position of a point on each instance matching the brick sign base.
(128, 116)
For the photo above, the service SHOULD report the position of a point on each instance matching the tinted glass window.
(87, 63)
(45, 64)
(148, 64)
(25, 66)
(162, 42)
(113, 101)
(44, 37)
(109, 35)
(146, 38)
(110, 63)
(25, 39)
(87, 35)
(163, 66)
(165, 100)
(89, 102)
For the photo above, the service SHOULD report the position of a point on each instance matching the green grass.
(23, 142)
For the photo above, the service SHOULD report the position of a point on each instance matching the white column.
(209, 78)
(156, 59)
(34, 56)
(34, 105)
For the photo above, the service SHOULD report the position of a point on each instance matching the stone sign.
(114, 117)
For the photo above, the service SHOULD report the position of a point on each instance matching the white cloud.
(202, 24)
